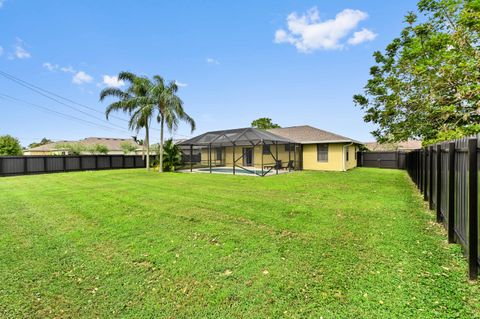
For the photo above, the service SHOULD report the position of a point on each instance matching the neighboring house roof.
(306, 134)
(407, 145)
(113, 144)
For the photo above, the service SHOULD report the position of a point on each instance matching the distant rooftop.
(112, 143)
(408, 145)
(306, 134)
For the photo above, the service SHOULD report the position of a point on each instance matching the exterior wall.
(336, 157)
(352, 157)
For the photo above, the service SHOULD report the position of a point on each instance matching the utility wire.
(46, 93)
(63, 115)
(37, 88)
(56, 100)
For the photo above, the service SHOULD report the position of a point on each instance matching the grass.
(133, 244)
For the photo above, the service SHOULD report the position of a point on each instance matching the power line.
(45, 93)
(11, 78)
(63, 115)
(33, 86)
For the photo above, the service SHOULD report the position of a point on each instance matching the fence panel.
(388, 159)
(447, 175)
(461, 188)
(444, 183)
(21, 165)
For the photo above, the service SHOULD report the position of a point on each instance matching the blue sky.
(235, 61)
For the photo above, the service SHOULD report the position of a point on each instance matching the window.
(346, 149)
(322, 152)
(266, 149)
(219, 153)
(288, 147)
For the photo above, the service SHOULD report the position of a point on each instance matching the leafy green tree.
(426, 83)
(42, 142)
(264, 123)
(128, 147)
(172, 156)
(10, 146)
(100, 149)
(170, 110)
(133, 101)
(72, 148)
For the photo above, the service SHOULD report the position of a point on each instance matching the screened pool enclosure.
(248, 151)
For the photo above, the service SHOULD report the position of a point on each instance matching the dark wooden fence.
(22, 165)
(447, 175)
(386, 159)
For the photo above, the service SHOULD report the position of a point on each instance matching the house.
(297, 147)
(114, 146)
(409, 145)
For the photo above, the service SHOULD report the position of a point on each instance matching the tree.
(172, 156)
(170, 109)
(128, 147)
(425, 84)
(72, 148)
(133, 101)
(264, 123)
(100, 149)
(42, 142)
(10, 146)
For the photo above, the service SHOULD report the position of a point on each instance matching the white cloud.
(20, 52)
(361, 36)
(212, 61)
(180, 84)
(81, 77)
(67, 69)
(112, 80)
(1, 3)
(308, 33)
(50, 67)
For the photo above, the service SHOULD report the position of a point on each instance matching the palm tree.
(134, 101)
(170, 109)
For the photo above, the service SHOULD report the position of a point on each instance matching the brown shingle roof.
(113, 144)
(306, 134)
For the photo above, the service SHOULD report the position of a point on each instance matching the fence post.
(425, 159)
(472, 209)
(1, 166)
(439, 183)
(45, 164)
(110, 161)
(25, 165)
(64, 163)
(123, 161)
(430, 178)
(81, 162)
(451, 192)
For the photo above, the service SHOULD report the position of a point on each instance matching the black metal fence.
(22, 165)
(447, 175)
(382, 159)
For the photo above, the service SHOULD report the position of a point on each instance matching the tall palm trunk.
(147, 140)
(160, 169)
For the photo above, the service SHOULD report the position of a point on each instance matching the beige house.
(290, 148)
(114, 146)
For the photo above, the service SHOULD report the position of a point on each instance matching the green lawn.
(128, 243)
